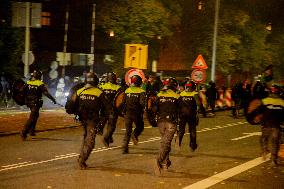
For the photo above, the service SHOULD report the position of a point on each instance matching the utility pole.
(91, 57)
(27, 40)
(65, 61)
(217, 6)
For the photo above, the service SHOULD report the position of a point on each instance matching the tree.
(138, 22)
(11, 45)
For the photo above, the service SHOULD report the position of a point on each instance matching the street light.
(269, 26)
(111, 33)
(200, 5)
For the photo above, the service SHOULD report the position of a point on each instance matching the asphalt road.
(228, 156)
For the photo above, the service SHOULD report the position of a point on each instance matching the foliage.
(138, 22)
(11, 49)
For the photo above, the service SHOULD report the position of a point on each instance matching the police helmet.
(36, 74)
(212, 84)
(190, 85)
(92, 78)
(111, 77)
(170, 83)
(135, 80)
(275, 89)
(103, 78)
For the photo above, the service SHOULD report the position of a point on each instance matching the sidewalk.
(13, 119)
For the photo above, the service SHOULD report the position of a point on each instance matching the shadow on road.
(48, 139)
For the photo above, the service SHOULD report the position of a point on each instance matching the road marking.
(248, 135)
(100, 149)
(15, 164)
(208, 182)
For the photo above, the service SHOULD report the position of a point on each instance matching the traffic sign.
(63, 58)
(199, 63)
(136, 56)
(198, 75)
(131, 73)
(31, 58)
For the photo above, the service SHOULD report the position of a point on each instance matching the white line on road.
(248, 135)
(206, 183)
(16, 164)
(100, 149)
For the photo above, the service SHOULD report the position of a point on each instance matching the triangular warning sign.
(199, 63)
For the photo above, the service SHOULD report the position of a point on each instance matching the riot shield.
(254, 112)
(18, 93)
(151, 112)
(118, 103)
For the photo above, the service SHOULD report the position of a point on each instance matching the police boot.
(125, 151)
(275, 163)
(167, 165)
(193, 146)
(82, 163)
(157, 168)
(111, 139)
(32, 133)
(180, 140)
(23, 135)
(134, 139)
(105, 142)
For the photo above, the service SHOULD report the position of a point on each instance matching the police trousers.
(167, 131)
(273, 135)
(111, 126)
(90, 131)
(129, 120)
(191, 121)
(31, 122)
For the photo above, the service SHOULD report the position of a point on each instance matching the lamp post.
(217, 5)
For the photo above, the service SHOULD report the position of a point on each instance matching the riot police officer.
(273, 108)
(33, 90)
(167, 110)
(134, 109)
(91, 102)
(188, 114)
(110, 88)
(211, 95)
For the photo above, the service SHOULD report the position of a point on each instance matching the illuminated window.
(45, 18)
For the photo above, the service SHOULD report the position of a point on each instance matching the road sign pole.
(27, 40)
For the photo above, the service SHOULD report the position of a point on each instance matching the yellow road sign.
(136, 56)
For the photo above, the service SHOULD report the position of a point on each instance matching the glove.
(54, 101)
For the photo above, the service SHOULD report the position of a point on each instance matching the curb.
(37, 131)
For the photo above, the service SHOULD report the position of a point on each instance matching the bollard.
(228, 98)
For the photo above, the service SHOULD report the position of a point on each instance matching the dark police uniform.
(33, 90)
(92, 102)
(167, 110)
(134, 110)
(110, 90)
(188, 115)
(273, 115)
(211, 95)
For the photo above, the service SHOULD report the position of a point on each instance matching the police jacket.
(110, 90)
(168, 106)
(33, 92)
(273, 111)
(135, 100)
(211, 93)
(188, 102)
(91, 101)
